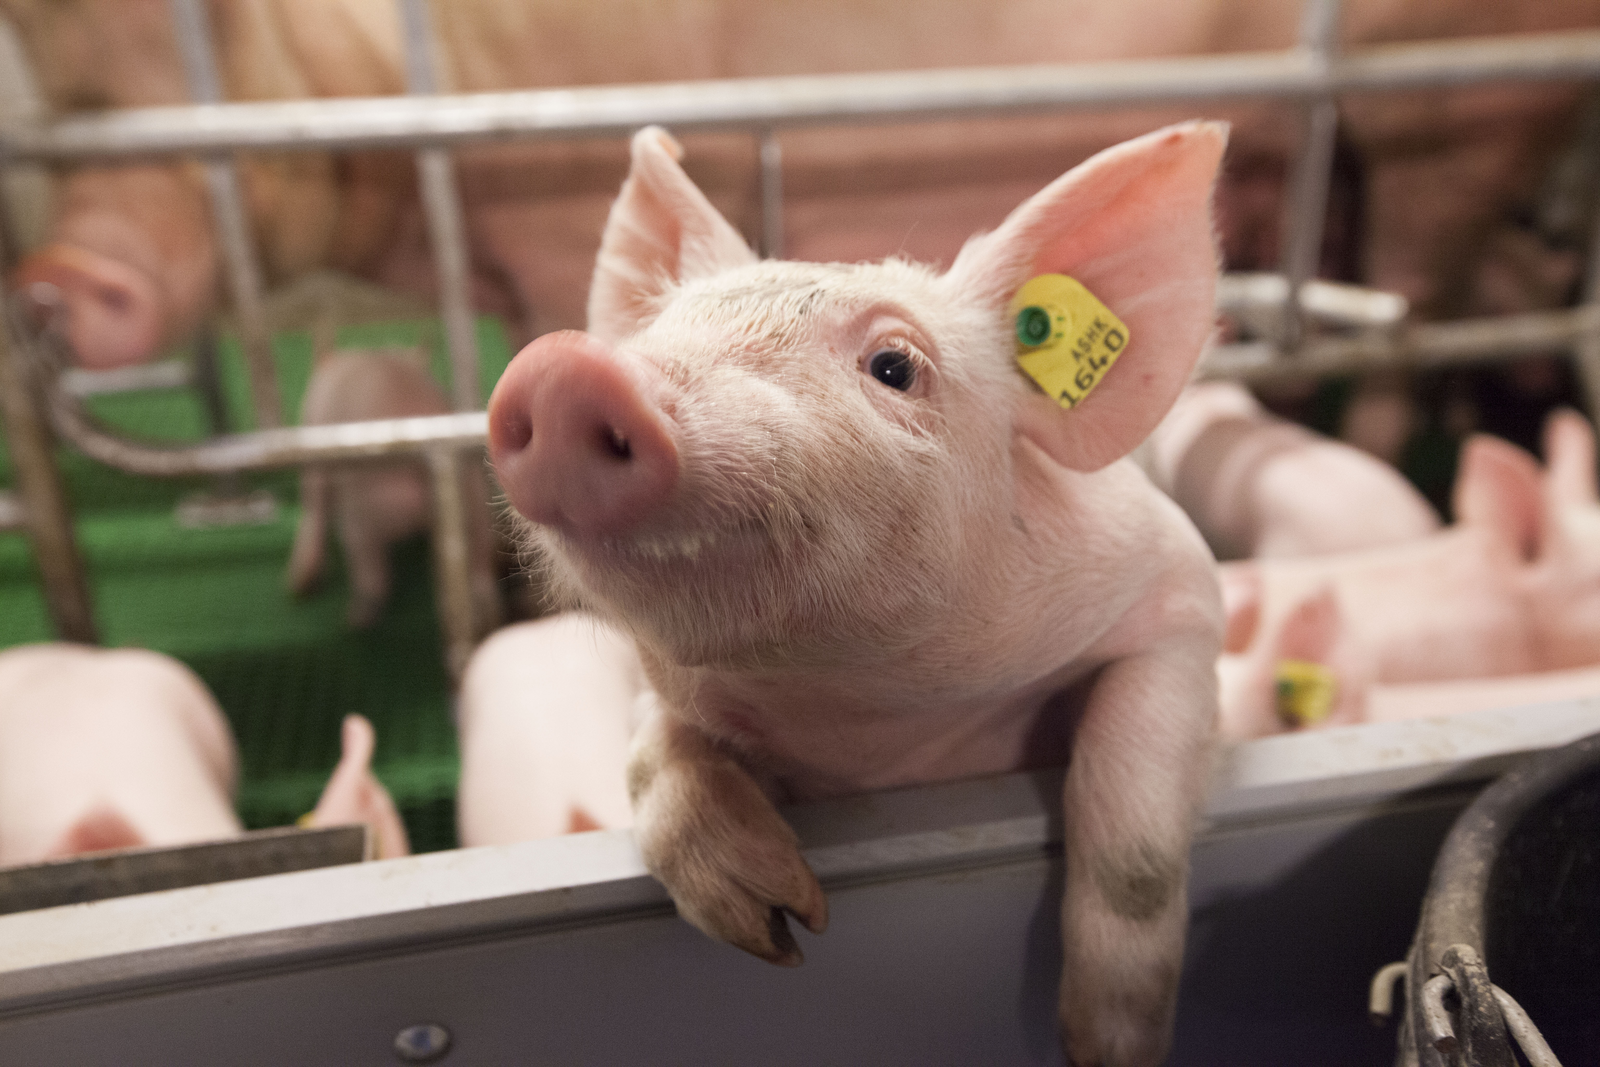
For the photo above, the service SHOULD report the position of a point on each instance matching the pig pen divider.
(1310, 77)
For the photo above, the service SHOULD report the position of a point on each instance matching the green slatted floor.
(285, 672)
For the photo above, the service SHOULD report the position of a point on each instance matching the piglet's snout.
(575, 439)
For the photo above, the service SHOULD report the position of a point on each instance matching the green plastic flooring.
(284, 671)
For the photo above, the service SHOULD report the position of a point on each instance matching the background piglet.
(1513, 588)
(1419, 700)
(108, 749)
(124, 748)
(354, 794)
(373, 505)
(1259, 485)
(537, 759)
(855, 548)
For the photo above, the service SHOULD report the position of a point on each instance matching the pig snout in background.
(851, 547)
(121, 748)
(373, 505)
(133, 249)
(1258, 485)
(1509, 592)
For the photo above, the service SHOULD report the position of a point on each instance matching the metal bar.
(1586, 353)
(1307, 204)
(462, 618)
(233, 224)
(447, 234)
(1433, 344)
(124, 872)
(1423, 345)
(206, 377)
(446, 230)
(421, 58)
(13, 516)
(46, 513)
(755, 103)
(163, 374)
(771, 195)
(288, 446)
(452, 560)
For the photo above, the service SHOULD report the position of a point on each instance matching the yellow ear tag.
(1066, 338)
(1305, 692)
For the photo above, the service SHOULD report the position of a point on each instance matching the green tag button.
(1033, 326)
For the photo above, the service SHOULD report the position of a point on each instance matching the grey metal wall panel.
(942, 948)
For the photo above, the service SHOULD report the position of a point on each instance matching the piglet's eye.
(893, 368)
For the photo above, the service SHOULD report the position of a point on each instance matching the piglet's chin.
(576, 440)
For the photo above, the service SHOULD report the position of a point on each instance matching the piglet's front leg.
(1136, 778)
(713, 837)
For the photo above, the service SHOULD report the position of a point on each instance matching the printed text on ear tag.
(1066, 338)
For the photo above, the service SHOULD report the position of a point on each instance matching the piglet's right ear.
(1133, 224)
(662, 231)
(1498, 488)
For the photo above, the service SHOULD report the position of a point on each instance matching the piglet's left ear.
(1133, 224)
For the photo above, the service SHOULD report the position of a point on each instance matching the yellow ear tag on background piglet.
(1066, 338)
(1305, 692)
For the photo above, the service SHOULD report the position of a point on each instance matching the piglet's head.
(760, 462)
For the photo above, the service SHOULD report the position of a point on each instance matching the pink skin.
(602, 458)
(354, 795)
(527, 773)
(1260, 486)
(108, 749)
(114, 312)
(1432, 700)
(131, 259)
(533, 210)
(372, 505)
(1512, 589)
(833, 584)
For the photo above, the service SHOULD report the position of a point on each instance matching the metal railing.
(1309, 76)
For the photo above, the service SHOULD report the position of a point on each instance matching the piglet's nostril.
(517, 431)
(618, 444)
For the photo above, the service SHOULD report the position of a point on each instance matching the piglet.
(354, 794)
(1430, 700)
(126, 748)
(1259, 485)
(1513, 588)
(374, 505)
(108, 749)
(529, 767)
(853, 547)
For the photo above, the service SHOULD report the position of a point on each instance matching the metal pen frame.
(1310, 76)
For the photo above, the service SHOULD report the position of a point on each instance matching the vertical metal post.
(47, 517)
(452, 560)
(1306, 207)
(233, 224)
(462, 617)
(1586, 354)
(771, 195)
(446, 229)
